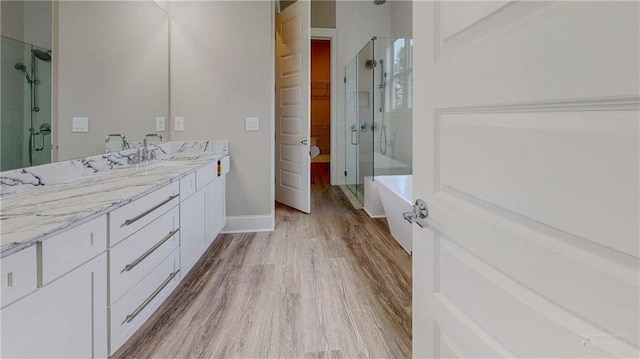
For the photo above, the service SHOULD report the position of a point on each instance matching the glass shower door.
(351, 126)
(366, 64)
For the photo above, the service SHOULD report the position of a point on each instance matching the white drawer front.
(187, 186)
(132, 259)
(19, 275)
(130, 218)
(206, 174)
(130, 312)
(70, 249)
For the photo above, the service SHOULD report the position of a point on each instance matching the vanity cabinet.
(215, 209)
(65, 318)
(202, 216)
(84, 292)
(19, 275)
(192, 224)
(144, 265)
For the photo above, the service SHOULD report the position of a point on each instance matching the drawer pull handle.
(136, 218)
(144, 304)
(132, 265)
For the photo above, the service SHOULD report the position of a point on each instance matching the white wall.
(323, 13)
(112, 67)
(222, 66)
(356, 22)
(401, 18)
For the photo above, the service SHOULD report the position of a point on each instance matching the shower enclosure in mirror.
(378, 112)
(115, 73)
(25, 75)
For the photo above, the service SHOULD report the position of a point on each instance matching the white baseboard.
(372, 215)
(246, 224)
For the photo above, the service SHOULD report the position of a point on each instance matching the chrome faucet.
(125, 144)
(154, 135)
(147, 155)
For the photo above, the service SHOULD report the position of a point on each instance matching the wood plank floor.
(330, 284)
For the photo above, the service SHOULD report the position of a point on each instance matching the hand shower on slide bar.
(382, 87)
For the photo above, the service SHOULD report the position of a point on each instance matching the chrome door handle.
(304, 142)
(133, 264)
(136, 218)
(419, 214)
(354, 134)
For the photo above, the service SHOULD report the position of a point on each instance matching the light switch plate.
(80, 124)
(179, 124)
(252, 124)
(160, 124)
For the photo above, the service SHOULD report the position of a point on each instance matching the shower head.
(379, 2)
(42, 55)
(21, 67)
(370, 64)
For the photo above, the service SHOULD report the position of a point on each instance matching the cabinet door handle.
(136, 218)
(132, 265)
(144, 304)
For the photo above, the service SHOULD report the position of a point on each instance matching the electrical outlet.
(179, 126)
(160, 124)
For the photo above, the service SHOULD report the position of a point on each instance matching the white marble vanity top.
(39, 202)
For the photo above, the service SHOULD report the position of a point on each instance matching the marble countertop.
(35, 210)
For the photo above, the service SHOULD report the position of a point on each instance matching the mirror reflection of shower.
(31, 62)
(21, 67)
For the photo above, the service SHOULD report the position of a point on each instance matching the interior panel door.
(527, 155)
(293, 50)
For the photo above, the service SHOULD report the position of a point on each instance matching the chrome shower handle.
(354, 133)
(42, 145)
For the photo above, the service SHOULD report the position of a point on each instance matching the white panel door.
(527, 154)
(293, 43)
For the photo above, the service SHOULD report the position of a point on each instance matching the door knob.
(304, 142)
(419, 214)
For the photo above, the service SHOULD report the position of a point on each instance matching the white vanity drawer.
(187, 186)
(130, 218)
(132, 259)
(206, 174)
(132, 310)
(70, 249)
(19, 275)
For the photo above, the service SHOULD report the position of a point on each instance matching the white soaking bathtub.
(396, 196)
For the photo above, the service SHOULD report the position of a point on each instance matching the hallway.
(333, 283)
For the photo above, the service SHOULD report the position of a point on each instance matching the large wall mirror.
(105, 61)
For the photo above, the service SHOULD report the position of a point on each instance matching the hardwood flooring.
(330, 284)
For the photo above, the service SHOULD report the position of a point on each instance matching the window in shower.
(402, 74)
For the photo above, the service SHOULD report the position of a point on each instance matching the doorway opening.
(321, 105)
